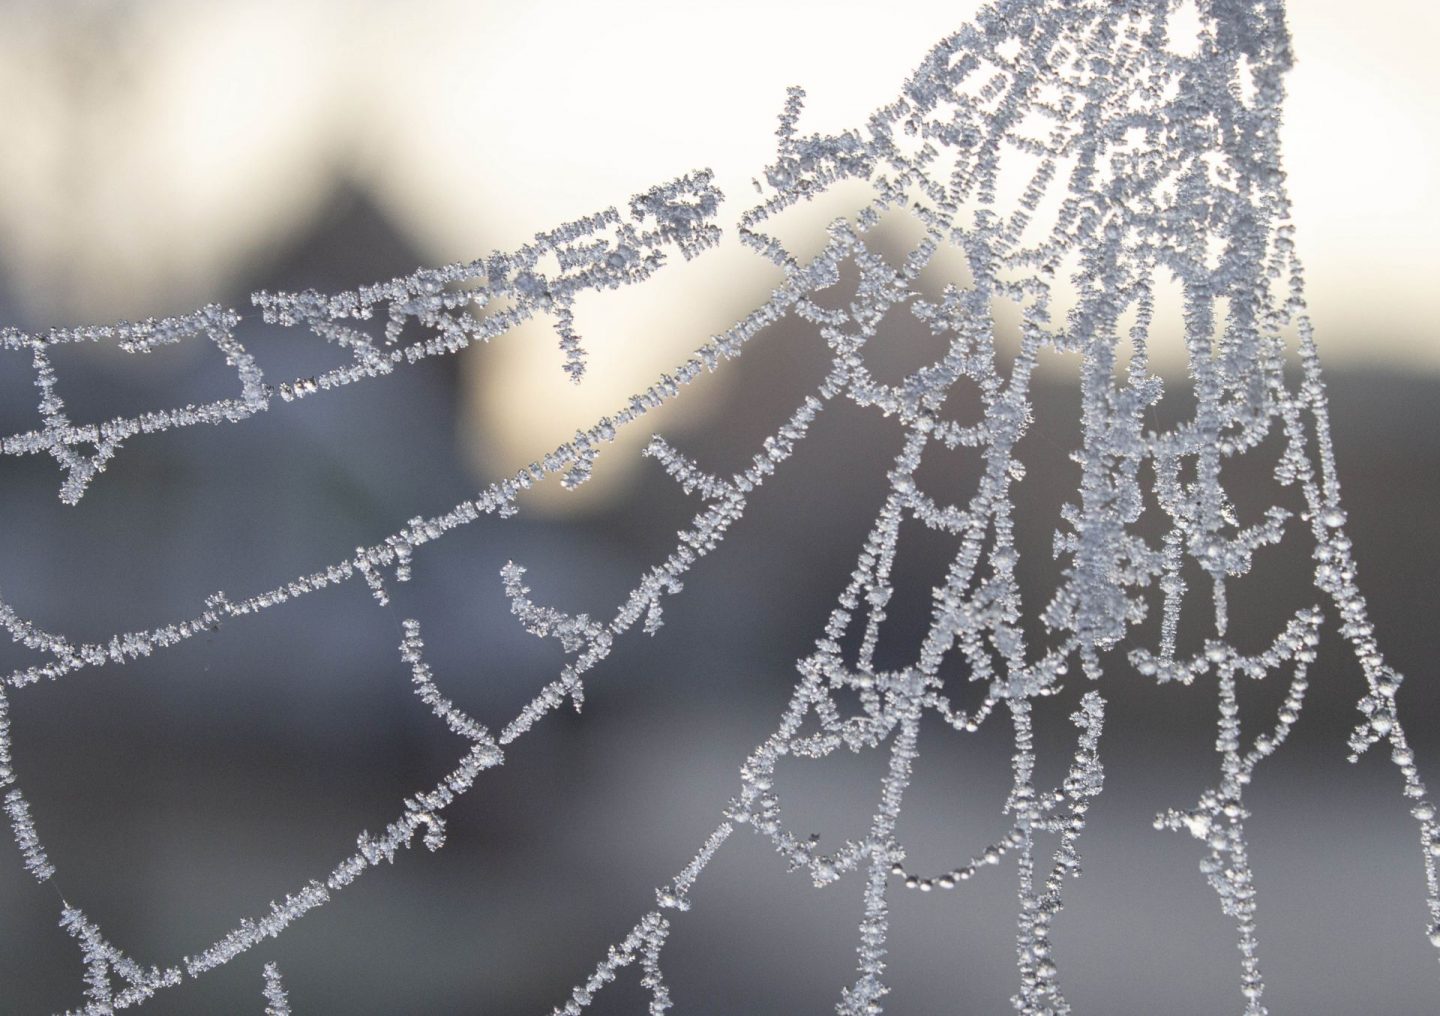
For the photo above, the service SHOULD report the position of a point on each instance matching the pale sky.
(148, 156)
(211, 128)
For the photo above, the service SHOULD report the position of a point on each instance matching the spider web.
(1148, 158)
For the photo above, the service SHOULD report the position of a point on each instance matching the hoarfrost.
(1162, 164)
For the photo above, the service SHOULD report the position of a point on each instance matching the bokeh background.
(157, 156)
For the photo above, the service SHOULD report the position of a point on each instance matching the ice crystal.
(277, 1003)
(103, 960)
(1148, 161)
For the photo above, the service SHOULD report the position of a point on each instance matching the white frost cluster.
(277, 1003)
(26, 838)
(1147, 161)
(103, 962)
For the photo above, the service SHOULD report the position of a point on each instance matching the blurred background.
(158, 156)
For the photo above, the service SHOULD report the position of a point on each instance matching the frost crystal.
(102, 961)
(276, 1001)
(1148, 160)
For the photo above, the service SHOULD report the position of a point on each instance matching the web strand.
(1147, 164)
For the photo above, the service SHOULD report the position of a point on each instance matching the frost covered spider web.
(1145, 163)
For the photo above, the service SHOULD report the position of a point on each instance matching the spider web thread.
(1147, 160)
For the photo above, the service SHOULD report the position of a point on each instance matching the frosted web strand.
(1146, 162)
(277, 1002)
(451, 305)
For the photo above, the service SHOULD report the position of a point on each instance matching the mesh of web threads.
(454, 306)
(1165, 164)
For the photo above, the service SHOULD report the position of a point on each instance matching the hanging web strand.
(1143, 159)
